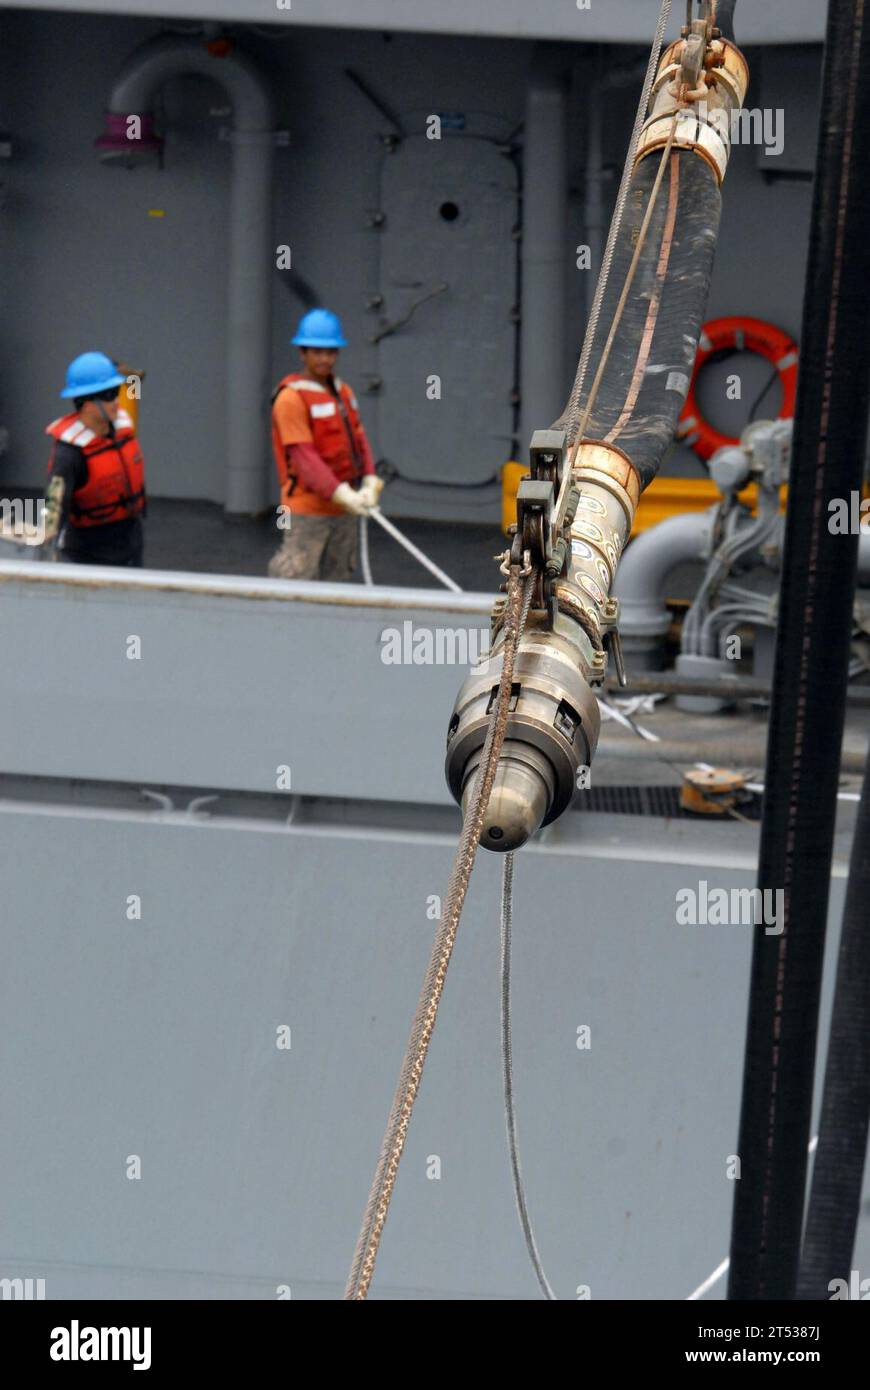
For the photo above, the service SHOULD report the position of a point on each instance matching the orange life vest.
(115, 488)
(336, 429)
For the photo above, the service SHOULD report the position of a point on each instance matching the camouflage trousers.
(317, 547)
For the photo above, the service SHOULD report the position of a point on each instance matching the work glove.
(350, 500)
(372, 487)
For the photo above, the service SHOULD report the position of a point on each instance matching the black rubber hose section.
(725, 18)
(645, 382)
(835, 1196)
(810, 679)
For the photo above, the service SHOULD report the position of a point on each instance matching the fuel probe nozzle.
(553, 721)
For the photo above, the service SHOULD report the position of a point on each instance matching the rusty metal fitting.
(569, 602)
(608, 490)
(724, 63)
(610, 468)
(721, 88)
(711, 791)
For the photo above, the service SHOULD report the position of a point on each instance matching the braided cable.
(423, 1025)
(508, 1078)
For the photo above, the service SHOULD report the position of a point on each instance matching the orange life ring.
(737, 334)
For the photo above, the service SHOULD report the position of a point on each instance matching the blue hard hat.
(319, 328)
(90, 373)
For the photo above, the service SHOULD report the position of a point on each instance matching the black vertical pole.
(810, 678)
(838, 1172)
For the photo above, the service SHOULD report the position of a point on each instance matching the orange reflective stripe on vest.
(115, 487)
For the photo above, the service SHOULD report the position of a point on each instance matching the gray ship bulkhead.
(311, 909)
(223, 812)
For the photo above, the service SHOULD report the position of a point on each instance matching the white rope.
(364, 559)
(412, 549)
(609, 711)
(758, 788)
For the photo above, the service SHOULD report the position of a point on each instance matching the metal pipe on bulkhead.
(250, 225)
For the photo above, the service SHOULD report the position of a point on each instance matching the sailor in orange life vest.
(323, 458)
(96, 492)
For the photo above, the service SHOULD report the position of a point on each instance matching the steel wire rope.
(571, 414)
(422, 1027)
(507, 881)
(380, 1195)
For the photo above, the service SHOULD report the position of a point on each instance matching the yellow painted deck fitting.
(663, 498)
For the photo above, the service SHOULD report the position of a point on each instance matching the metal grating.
(663, 802)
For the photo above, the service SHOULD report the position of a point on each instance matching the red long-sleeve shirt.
(296, 456)
(316, 475)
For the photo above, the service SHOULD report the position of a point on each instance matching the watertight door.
(445, 413)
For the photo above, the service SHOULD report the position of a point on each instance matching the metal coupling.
(705, 110)
(608, 490)
(552, 732)
(553, 720)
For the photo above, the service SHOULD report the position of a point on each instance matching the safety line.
(392, 530)
(518, 600)
(365, 563)
(423, 1025)
(655, 300)
(623, 298)
(507, 882)
(572, 410)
